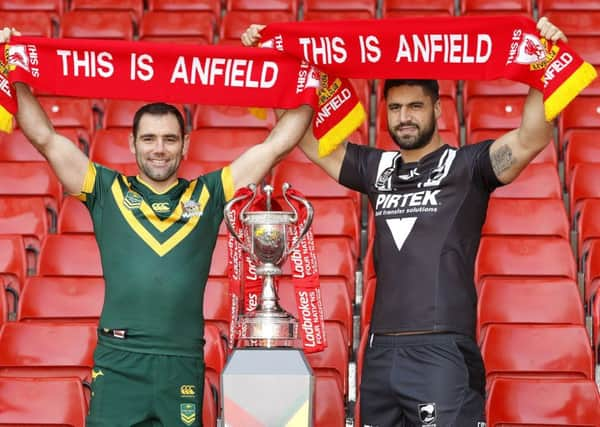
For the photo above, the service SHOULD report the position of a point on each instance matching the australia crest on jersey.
(132, 200)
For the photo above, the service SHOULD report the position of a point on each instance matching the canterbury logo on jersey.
(161, 207)
(187, 390)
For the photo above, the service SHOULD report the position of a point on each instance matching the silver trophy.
(265, 239)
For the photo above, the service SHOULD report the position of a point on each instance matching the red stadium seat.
(596, 329)
(215, 354)
(119, 113)
(497, 6)
(536, 181)
(542, 402)
(336, 15)
(485, 113)
(223, 144)
(42, 402)
(337, 306)
(369, 6)
(47, 349)
(219, 116)
(175, 26)
(15, 147)
(213, 6)
(4, 311)
(235, 22)
(62, 298)
(111, 146)
(429, 6)
(333, 361)
(31, 23)
(587, 225)
(328, 403)
(97, 24)
(335, 259)
(135, 7)
(70, 255)
(312, 181)
(447, 122)
(26, 216)
(337, 218)
(583, 146)
(531, 217)
(582, 113)
(524, 256)
(526, 301)
(574, 22)
(70, 113)
(55, 6)
(74, 218)
(583, 185)
(30, 179)
(217, 303)
(540, 350)
(13, 262)
(209, 405)
(501, 88)
(29, 218)
(580, 5)
(591, 270)
(290, 6)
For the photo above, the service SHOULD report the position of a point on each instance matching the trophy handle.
(227, 210)
(309, 214)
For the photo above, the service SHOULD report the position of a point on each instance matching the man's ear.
(131, 143)
(186, 144)
(437, 108)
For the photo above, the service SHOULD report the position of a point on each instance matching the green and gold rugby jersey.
(156, 251)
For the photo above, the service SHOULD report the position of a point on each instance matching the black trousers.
(422, 380)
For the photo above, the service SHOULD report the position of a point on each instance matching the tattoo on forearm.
(502, 159)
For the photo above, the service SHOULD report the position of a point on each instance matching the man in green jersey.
(156, 233)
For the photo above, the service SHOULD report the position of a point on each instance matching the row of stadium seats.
(293, 6)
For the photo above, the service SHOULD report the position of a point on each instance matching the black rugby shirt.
(428, 218)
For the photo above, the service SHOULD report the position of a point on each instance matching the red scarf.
(246, 286)
(225, 75)
(454, 48)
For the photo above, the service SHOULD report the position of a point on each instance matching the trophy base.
(269, 329)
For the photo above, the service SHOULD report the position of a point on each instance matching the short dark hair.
(431, 87)
(157, 109)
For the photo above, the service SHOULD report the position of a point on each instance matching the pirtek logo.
(419, 198)
(187, 390)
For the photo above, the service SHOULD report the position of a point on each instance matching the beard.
(413, 142)
(158, 174)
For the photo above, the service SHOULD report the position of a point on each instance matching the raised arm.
(68, 162)
(513, 151)
(66, 159)
(332, 163)
(255, 162)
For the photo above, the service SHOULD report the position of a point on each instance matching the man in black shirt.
(422, 365)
